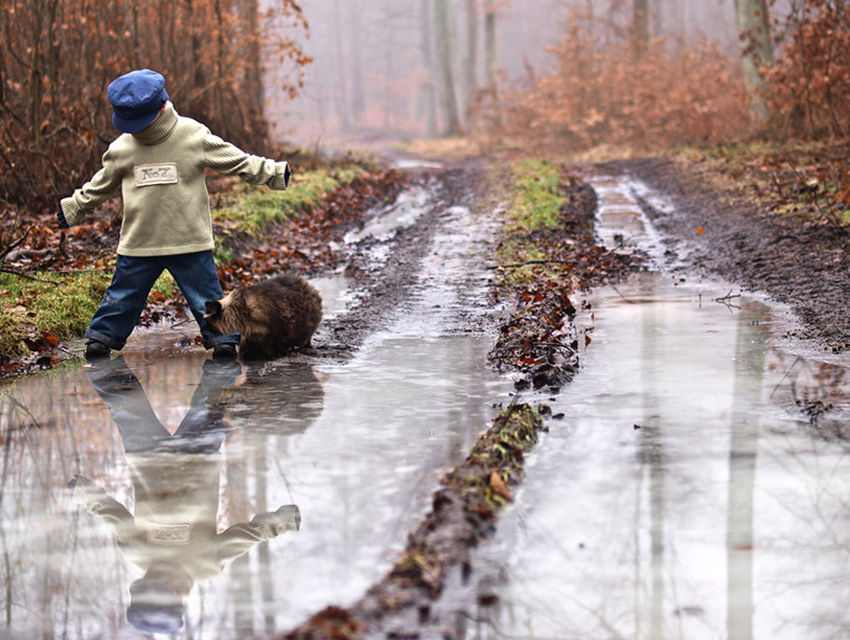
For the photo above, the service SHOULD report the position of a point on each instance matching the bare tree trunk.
(254, 70)
(471, 57)
(428, 90)
(490, 15)
(657, 18)
(640, 25)
(358, 99)
(341, 85)
(445, 74)
(752, 19)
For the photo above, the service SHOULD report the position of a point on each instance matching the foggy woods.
(580, 72)
(642, 73)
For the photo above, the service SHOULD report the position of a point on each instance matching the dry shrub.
(58, 56)
(809, 85)
(617, 95)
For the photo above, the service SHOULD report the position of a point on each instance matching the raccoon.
(273, 317)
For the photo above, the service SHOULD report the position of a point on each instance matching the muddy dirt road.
(690, 483)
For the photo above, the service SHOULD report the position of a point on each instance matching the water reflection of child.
(173, 535)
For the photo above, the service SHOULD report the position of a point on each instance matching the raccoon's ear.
(213, 306)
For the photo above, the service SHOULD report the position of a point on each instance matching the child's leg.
(197, 277)
(124, 301)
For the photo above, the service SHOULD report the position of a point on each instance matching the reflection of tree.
(750, 349)
(651, 455)
(816, 388)
(172, 534)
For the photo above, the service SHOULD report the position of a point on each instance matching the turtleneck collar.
(159, 129)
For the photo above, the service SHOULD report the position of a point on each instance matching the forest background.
(572, 78)
(559, 74)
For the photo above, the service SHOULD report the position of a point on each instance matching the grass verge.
(810, 180)
(42, 309)
(251, 210)
(39, 313)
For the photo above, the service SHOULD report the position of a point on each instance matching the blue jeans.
(125, 299)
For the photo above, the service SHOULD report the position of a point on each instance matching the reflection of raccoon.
(273, 316)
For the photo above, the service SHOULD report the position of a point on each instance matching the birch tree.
(471, 58)
(428, 90)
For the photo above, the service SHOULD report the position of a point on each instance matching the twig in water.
(728, 296)
(787, 373)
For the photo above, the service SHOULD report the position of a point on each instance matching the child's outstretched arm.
(227, 158)
(86, 199)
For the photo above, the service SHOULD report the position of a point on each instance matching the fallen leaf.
(499, 487)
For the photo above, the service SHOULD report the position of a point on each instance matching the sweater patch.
(168, 534)
(151, 174)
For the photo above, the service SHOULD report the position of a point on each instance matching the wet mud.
(801, 262)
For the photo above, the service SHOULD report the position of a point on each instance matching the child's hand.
(60, 217)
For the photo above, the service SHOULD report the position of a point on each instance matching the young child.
(159, 164)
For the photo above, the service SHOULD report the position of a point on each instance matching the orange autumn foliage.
(58, 56)
(808, 88)
(663, 95)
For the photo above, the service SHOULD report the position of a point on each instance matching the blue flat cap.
(136, 99)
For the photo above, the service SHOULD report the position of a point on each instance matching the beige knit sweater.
(161, 174)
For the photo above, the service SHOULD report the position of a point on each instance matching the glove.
(60, 217)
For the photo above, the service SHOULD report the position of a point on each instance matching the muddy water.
(695, 481)
(258, 497)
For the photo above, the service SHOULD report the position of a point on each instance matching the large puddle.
(229, 501)
(695, 484)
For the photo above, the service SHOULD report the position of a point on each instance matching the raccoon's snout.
(213, 308)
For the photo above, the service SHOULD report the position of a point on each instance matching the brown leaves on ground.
(499, 486)
(812, 180)
(538, 344)
(308, 243)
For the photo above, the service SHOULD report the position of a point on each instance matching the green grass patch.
(536, 200)
(514, 252)
(60, 305)
(534, 195)
(252, 209)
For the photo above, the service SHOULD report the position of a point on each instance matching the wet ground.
(692, 483)
(183, 468)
